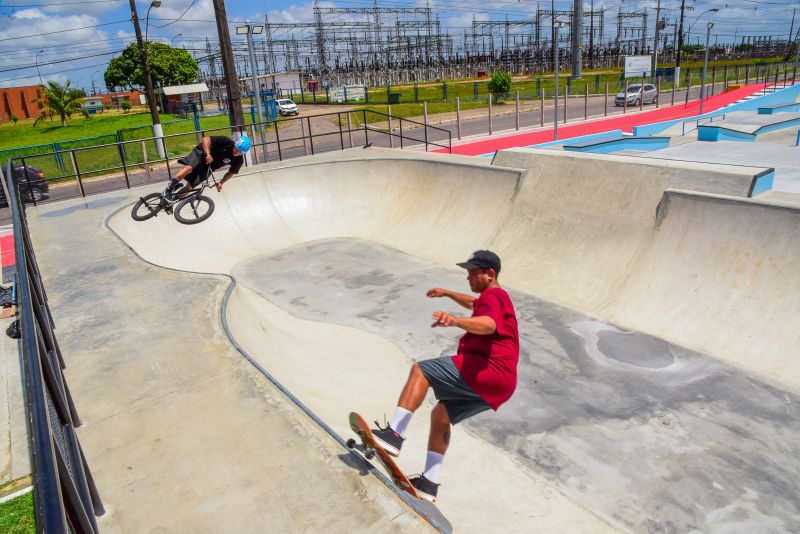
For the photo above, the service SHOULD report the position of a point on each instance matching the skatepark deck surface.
(658, 380)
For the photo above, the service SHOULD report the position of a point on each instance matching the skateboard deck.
(371, 447)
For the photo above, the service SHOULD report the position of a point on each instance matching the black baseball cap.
(482, 259)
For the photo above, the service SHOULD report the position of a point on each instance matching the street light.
(705, 67)
(249, 30)
(172, 41)
(556, 25)
(158, 132)
(154, 3)
(37, 67)
(689, 31)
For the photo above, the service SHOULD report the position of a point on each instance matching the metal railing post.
(310, 136)
(278, 141)
(124, 165)
(541, 111)
(490, 113)
(303, 132)
(605, 102)
(458, 117)
(391, 137)
(586, 102)
(350, 129)
(77, 172)
(341, 132)
(516, 111)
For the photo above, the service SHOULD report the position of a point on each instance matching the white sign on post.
(348, 92)
(637, 66)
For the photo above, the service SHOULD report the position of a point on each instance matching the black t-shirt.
(222, 152)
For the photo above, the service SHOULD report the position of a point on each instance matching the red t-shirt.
(488, 364)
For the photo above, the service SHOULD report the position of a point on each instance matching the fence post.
(391, 137)
(516, 111)
(541, 109)
(444, 91)
(658, 91)
(147, 173)
(303, 133)
(566, 96)
(366, 94)
(475, 90)
(425, 121)
(737, 74)
(605, 102)
(586, 103)
(746, 74)
(490, 113)
(458, 116)
(350, 129)
(416, 91)
(688, 88)
(672, 102)
(625, 98)
(124, 164)
(713, 78)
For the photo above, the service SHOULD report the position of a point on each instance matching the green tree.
(168, 66)
(61, 100)
(125, 106)
(500, 83)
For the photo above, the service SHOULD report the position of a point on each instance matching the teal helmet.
(243, 144)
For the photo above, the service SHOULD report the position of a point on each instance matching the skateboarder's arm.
(228, 176)
(483, 325)
(459, 298)
(207, 149)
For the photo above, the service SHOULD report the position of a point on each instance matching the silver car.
(637, 94)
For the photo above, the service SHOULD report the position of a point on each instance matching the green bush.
(500, 83)
(125, 105)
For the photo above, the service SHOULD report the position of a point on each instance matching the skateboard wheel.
(351, 443)
(370, 455)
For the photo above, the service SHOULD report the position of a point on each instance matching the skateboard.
(371, 449)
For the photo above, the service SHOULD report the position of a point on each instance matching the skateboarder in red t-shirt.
(482, 375)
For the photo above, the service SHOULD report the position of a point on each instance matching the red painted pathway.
(623, 122)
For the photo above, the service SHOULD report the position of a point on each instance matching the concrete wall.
(19, 102)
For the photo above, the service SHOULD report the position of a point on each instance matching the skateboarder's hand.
(219, 188)
(436, 292)
(443, 319)
(209, 159)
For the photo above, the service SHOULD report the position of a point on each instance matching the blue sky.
(73, 39)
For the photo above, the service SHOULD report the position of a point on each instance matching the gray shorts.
(459, 399)
(196, 159)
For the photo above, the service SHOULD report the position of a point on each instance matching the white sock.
(433, 462)
(400, 421)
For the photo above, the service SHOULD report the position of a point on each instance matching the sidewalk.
(625, 122)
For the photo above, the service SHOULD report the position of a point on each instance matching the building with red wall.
(19, 102)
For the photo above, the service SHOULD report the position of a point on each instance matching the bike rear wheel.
(148, 206)
(194, 209)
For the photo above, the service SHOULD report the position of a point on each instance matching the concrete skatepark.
(657, 306)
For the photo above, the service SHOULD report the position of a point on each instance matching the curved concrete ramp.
(657, 385)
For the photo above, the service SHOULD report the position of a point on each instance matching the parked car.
(648, 95)
(32, 186)
(287, 106)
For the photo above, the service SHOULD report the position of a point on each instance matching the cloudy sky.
(74, 40)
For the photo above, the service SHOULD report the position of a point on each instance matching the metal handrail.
(64, 491)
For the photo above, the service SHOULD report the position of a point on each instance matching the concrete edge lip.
(444, 528)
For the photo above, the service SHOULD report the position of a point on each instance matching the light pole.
(154, 3)
(689, 31)
(37, 67)
(705, 67)
(250, 30)
(158, 132)
(556, 25)
(172, 41)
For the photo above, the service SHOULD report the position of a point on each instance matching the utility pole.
(789, 40)
(229, 70)
(677, 78)
(577, 38)
(591, 35)
(158, 133)
(655, 41)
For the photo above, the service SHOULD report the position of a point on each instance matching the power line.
(64, 31)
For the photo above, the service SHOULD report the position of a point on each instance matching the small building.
(116, 98)
(19, 102)
(279, 84)
(178, 99)
(93, 104)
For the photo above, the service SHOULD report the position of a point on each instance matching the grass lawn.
(18, 516)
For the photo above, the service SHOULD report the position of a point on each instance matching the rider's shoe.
(425, 488)
(388, 439)
(168, 194)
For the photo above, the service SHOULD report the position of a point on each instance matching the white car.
(648, 95)
(287, 106)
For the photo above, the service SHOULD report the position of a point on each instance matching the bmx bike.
(188, 207)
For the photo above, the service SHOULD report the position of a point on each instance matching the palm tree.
(61, 100)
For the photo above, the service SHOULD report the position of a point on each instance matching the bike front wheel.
(194, 209)
(147, 206)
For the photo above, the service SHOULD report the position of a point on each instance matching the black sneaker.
(168, 194)
(425, 488)
(388, 439)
